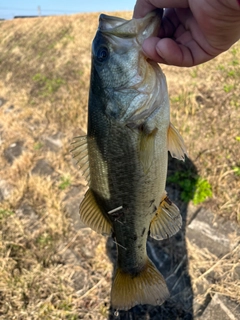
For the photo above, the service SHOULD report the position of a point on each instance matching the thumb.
(167, 51)
(142, 7)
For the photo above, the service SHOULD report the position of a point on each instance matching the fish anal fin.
(80, 154)
(147, 148)
(147, 287)
(92, 216)
(176, 144)
(167, 220)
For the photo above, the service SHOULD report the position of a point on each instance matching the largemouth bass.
(124, 156)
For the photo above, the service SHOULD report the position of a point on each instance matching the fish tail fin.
(146, 287)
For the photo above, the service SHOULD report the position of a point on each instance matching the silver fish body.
(124, 155)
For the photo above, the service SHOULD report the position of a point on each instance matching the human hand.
(192, 31)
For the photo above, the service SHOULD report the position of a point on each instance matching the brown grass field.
(50, 269)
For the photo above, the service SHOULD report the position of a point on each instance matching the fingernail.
(159, 52)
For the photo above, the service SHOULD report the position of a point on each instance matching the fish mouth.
(109, 22)
(143, 27)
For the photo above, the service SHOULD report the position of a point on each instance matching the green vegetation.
(231, 73)
(65, 182)
(44, 239)
(202, 192)
(37, 146)
(236, 170)
(228, 87)
(194, 72)
(192, 187)
(47, 85)
(220, 67)
(5, 213)
(235, 62)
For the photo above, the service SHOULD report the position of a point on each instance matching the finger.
(149, 49)
(142, 7)
(174, 54)
(192, 34)
(182, 55)
(169, 52)
(180, 34)
(170, 22)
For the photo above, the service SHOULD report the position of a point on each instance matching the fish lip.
(127, 28)
(106, 22)
(104, 17)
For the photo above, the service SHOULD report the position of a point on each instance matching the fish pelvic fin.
(80, 153)
(147, 287)
(167, 220)
(176, 144)
(92, 216)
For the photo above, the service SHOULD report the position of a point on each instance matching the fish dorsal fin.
(147, 148)
(92, 216)
(80, 153)
(176, 144)
(167, 220)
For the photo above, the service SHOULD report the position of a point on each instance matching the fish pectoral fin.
(167, 220)
(92, 216)
(147, 147)
(80, 153)
(147, 287)
(176, 144)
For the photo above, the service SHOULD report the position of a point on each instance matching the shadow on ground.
(171, 258)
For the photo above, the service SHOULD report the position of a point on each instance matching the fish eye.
(102, 54)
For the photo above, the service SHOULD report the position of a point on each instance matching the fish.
(124, 156)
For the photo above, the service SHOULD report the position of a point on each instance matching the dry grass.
(205, 106)
(48, 270)
(213, 274)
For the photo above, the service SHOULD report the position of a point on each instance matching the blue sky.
(11, 8)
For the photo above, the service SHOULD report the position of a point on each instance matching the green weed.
(66, 182)
(231, 73)
(235, 62)
(47, 86)
(176, 98)
(72, 317)
(236, 170)
(220, 67)
(68, 37)
(37, 146)
(44, 239)
(228, 87)
(5, 213)
(234, 51)
(65, 305)
(202, 192)
(194, 73)
(192, 187)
